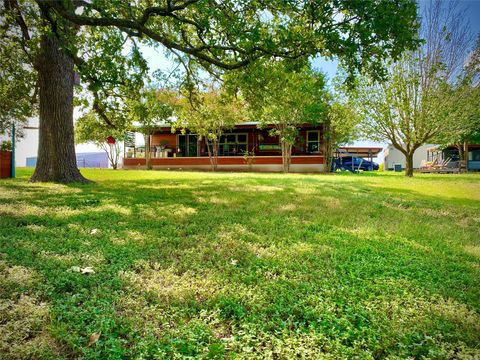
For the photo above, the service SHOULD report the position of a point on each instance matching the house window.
(268, 143)
(187, 145)
(232, 144)
(269, 147)
(313, 141)
(474, 155)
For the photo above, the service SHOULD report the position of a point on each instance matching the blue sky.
(157, 60)
(473, 16)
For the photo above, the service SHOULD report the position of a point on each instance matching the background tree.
(17, 98)
(461, 113)
(461, 116)
(472, 65)
(340, 126)
(285, 95)
(148, 110)
(90, 37)
(91, 129)
(407, 109)
(210, 115)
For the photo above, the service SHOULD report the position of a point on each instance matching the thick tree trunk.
(56, 148)
(409, 165)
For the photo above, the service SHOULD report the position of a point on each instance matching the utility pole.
(13, 150)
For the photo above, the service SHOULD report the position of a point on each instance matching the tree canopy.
(91, 129)
(148, 110)
(100, 41)
(410, 108)
(209, 114)
(282, 94)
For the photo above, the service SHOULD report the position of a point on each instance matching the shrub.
(6, 145)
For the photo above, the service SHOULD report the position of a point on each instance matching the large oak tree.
(59, 37)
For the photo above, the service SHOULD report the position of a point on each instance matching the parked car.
(354, 163)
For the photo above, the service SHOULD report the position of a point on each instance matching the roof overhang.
(360, 151)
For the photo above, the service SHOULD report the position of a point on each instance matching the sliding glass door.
(188, 145)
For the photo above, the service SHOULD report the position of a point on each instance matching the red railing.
(223, 160)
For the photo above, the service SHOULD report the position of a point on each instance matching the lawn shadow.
(197, 260)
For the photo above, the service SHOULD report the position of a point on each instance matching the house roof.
(360, 151)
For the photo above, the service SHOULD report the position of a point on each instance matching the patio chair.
(442, 164)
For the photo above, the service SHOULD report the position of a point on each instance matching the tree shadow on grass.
(189, 264)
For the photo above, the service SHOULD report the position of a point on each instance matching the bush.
(6, 145)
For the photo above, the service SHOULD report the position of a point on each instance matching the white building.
(27, 147)
(395, 157)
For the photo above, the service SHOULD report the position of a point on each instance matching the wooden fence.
(5, 164)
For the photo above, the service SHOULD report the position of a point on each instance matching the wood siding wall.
(171, 140)
(5, 164)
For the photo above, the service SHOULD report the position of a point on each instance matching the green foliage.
(90, 128)
(410, 108)
(209, 115)
(403, 110)
(343, 120)
(18, 88)
(397, 110)
(6, 145)
(283, 94)
(460, 117)
(97, 35)
(234, 34)
(151, 108)
(197, 33)
(202, 265)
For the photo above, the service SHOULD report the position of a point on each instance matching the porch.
(245, 148)
(447, 160)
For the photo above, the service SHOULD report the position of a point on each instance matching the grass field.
(235, 265)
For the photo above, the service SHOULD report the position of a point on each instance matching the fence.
(5, 164)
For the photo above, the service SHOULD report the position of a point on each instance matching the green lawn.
(236, 265)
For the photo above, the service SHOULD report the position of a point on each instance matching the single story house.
(452, 154)
(428, 152)
(393, 156)
(177, 150)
